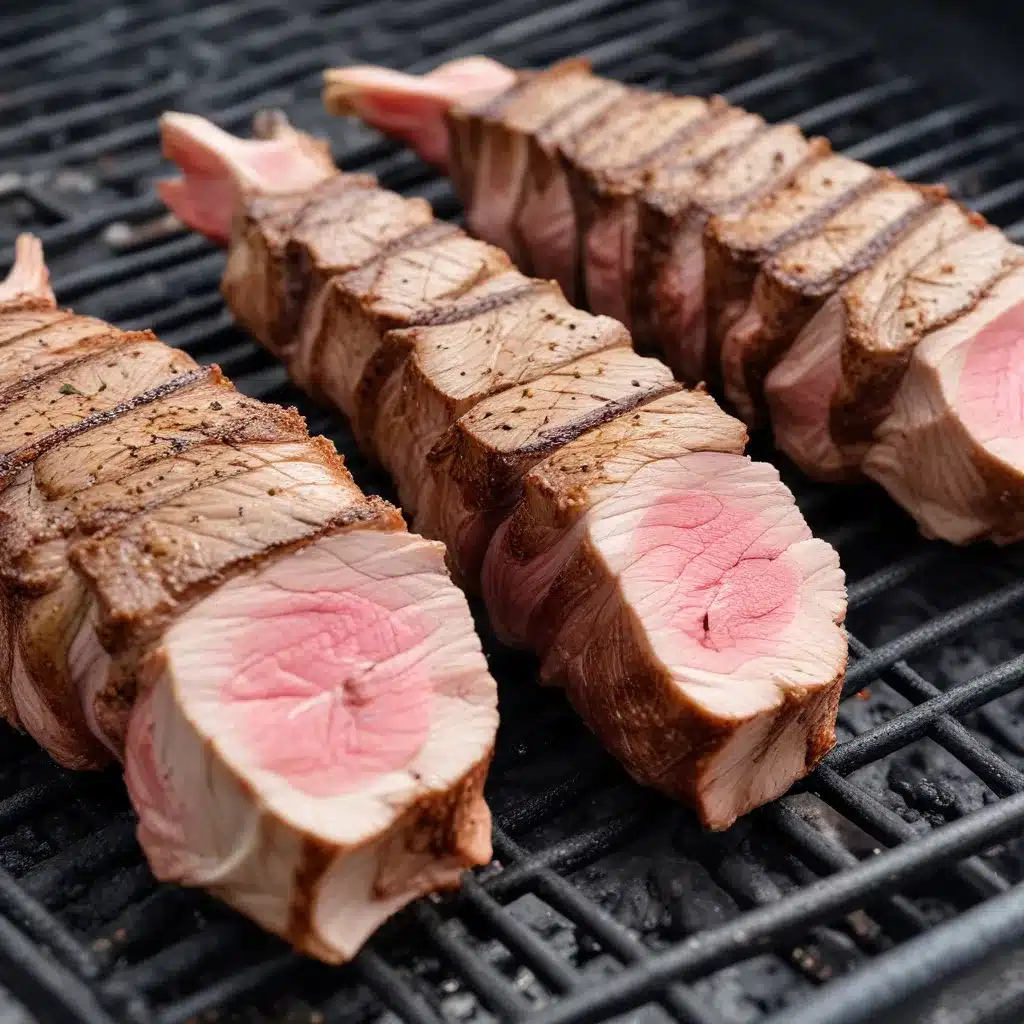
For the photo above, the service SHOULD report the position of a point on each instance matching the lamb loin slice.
(950, 451)
(607, 164)
(669, 293)
(736, 244)
(477, 465)
(547, 238)
(318, 794)
(837, 382)
(406, 284)
(794, 283)
(673, 589)
(503, 334)
(145, 487)
(491, 144)
(343, 222)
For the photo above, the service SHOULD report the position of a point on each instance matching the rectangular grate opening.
(895, 867)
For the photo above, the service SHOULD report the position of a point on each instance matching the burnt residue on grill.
(603, 898)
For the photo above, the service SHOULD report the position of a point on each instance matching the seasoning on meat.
(609, 516)
(799, 284)
(192, 584)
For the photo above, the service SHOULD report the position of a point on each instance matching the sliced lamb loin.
(607, 164)
(837, 382)
(737, 161)
(951, 451)
(315, 738)
(795, 282)
(192, 583)
(674, 590)
(643, 527)
(737, 244)
(504, 334)
(478, 464)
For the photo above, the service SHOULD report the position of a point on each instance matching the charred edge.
(10, 463)
(551, 440)
(468, 310)
(314, 860)
(26, 304)
(931, 196)
(91, 352)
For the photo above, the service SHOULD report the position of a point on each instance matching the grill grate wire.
(894, 867)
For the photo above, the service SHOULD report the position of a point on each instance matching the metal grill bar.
(121, 948)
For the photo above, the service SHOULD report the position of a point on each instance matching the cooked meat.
(607, 165)
(189, 582)
(492, 342)
(794, 283)
(674, 590)
(478, 464)
(669, 294)
(837, 382)
(694, 562)
(952, 449)
(319, 794)
(724, 299)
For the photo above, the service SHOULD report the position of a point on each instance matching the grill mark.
(811, 224)
(558, 437)
(868, 253)
(12, 462)
(424, 236)
(489, 303)
(20, 388)
(687, 131)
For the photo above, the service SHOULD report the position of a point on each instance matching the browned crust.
(10, 463)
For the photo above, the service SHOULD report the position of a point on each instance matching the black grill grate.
(898, 865)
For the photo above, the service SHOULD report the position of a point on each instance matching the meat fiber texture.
(192, 584)
(797, 283)
(608, 515)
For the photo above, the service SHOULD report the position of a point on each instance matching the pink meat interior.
(721, 583)
(324, 697)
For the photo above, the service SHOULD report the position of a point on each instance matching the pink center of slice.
(721, 585)
(332, 692)
(990, 393)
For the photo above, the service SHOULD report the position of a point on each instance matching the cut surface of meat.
(677, 595)
(189, 582)
(952, 449)
(315, 741)
(534, 440)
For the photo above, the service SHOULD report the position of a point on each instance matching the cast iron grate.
(897, 867)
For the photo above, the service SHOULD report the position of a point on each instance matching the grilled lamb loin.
(765, 265)
(608, 515)
(194, 585)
